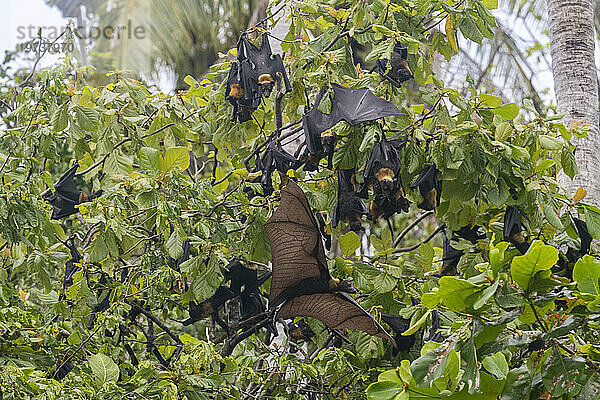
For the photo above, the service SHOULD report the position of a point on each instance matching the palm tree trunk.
(576, 86)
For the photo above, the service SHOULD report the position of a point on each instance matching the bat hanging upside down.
(301, 285)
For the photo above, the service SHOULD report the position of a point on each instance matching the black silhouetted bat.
(300, 330)
(451, 256)
(513, 229)
(66, 195)
(103, 301)
(241, 276)
(70, 267)
(399, 325)
(396, 70)
(470, 233)
(567, 262)
(301, 285)
(274, 158)
(434, 334)
(349, 207)
(62, 370)
(210, 306)
(382, 175)
(353, 106)
(252, 75)
(450, 259)
(430, 188)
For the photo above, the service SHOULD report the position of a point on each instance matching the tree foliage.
(174, 169)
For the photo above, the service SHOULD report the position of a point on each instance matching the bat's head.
(328, 140)
(343, 285)
(236, 91)
(266, 83)
(384, 181)
(403, 71)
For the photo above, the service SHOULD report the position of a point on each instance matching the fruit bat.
(301, 285)
(70, 267)
(300, 330)
(382, 175)
(396, 70)
(241, 276)
(353, 106)
(400, 325)
(451, 256)
(62, 371)
(349, 207)
(66, 195)
(434, 335)
(103, 303)
(513, 229)
(430, 188)
(252, 75)
(567, 262)
(274, 158)
(210, 306)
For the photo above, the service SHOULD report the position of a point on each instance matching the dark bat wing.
(358, 106)
(314, 122)
(65, 196)
(337, 311)
(512, 222)
(296, 245)
(584, 235)
(263, 60)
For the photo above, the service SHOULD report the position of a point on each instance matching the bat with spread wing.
(301, 285)
(66, 195)
(353, 106)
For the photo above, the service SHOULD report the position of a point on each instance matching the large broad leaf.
(454, 292)
(496, 365)
(523, 268)
(587, 273)
(175, 245)
(507, 111)
(104, 368)
(150, 159)
(176, 157)
(349, 243)
(386, 390)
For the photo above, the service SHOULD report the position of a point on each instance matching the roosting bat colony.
(300, 281)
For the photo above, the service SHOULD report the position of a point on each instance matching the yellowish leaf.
(23, 295)
(579, 195)
(450, 33)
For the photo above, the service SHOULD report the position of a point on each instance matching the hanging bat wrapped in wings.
(252, 75)
(396, 71)
(301, 285)
(353, 106)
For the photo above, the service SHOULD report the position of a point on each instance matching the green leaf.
(507, 111)
(503, 131)
(496, 365)
(176, 157)
(587, 275)
(415, 327)
(384, 390)
(454, 292)
(384, 283)
(523, 268)
(550, 143)
(592, 219)
(568, 163)
(349, 243)
(104, 369)
(87, 118)
(150, 159)
(60, 118)
(490, 4)
(175, 245)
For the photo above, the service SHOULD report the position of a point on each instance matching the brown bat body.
(301, 284)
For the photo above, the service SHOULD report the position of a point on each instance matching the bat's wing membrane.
(296, 244)
(337, 311)
(357, 106)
